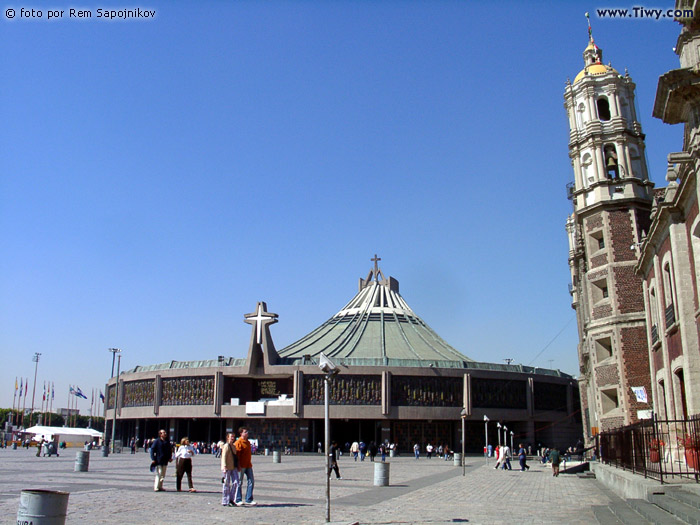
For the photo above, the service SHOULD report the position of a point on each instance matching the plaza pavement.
(119, 490)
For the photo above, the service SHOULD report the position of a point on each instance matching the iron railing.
(655, 448)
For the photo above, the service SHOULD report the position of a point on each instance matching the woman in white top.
(183, 463)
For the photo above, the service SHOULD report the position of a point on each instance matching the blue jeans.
(249, 489)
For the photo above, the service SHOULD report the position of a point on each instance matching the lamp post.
(486, 437)
(464, 417)
(116, 401)
(498, 433)
(511, 442)
(36, 366)
(505, 437)
(114, 351)
(329, 368)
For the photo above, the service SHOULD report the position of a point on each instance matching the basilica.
(398, 382)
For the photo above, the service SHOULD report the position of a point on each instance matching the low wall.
(623, 483)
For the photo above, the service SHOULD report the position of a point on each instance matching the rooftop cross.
(259, 318)
(375, 260)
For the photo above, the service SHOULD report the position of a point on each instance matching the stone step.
(689, 498)
(605, 516)
(679, 509)
(627, 514)
(652, 513)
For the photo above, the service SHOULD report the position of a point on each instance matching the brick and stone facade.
(612, 199)
(669, 261)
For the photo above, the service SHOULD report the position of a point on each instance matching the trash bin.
(267, 451)
(457, 459)
(82, 460)
(276, 456)
(381, 474)
(42, 507)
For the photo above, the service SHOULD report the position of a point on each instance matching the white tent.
(67, 434)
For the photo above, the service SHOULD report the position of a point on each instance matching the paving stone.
(119, 490)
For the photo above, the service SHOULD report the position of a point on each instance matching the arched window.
(669, 292)
(612, 169)
(679, 381)
(603, 109)
(654, 312)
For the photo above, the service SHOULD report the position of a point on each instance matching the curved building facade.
(399, 381)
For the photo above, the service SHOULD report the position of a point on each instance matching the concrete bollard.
(457, 460)
(392, 453)
(267, 451)
(276, 456)
(82, 460)
(42, 507)
(105, 451)
(381, 474)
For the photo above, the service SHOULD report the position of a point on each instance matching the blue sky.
(158, 178)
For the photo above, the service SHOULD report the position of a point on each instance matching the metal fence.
(660, 449)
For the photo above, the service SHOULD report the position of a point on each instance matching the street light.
(329, 368)
(486, 437)
(114, 351)
(505, 436)
(498, 433)
(36, 366)
(511, 442)
(116, 401)
(464, 463)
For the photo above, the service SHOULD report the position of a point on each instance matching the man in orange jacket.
(245, 466)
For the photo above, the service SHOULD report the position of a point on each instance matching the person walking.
(555, 458)
(522, 458)
(505, 456)
(429, 450)
(355, 449)
(333, 456)
(161, 455)
(183, 463)
(416, 450)
(245, 466)
(229, 469)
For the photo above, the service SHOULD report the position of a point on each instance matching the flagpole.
(12, 414)
(24, 405)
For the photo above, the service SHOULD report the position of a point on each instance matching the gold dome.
(594, 69)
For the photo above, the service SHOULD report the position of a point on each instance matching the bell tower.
(612, 198)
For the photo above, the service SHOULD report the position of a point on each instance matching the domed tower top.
(593, 58)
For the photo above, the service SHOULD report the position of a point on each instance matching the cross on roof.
(260, 318)
(375, 260)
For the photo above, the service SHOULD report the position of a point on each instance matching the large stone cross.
(259, 319)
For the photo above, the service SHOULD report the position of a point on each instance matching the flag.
(52, 392)
(26, 387)
(15, 385)
(21, 387)
(44, 396)
(79, 393)
(102, 396)
(70, 390)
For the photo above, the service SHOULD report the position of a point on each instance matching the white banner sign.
(641, 393)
